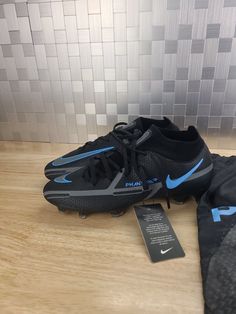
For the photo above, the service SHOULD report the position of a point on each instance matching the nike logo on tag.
(173, 183)
(66, 160)
(165, 251)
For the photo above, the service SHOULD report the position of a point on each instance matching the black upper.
(142, 124)
(153, 156)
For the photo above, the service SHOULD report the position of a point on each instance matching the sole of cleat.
(179, 200)
(62, 209)
(83, 216)
(118, 212)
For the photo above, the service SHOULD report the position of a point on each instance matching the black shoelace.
(106, 165)
(102, 139)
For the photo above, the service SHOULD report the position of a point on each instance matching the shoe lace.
(104, 166)
(108, 164)
(102, 139)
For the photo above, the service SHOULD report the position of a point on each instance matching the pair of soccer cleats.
(145, 159)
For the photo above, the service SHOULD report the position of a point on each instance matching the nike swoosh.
(173, 183)
(165, 251)
(62, 179)
(66, 160)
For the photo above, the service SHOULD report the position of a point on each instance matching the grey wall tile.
(194, 86)
(182, 74)
(201, 4)
(213, 31)
(7, 51)
(69, 7)
(225, 45)
(120, 26)
(10, 15)
(171, 46)
(168, 86)
(204, 110)
(217, 104)
(230, 95)
(2, 15)
(205, 92)
(173, 4)
(219, 85)
(208, 73)
(229, 3)
(45, 9)
(34, 15)
(158, 32)
(232, 72)
(197, 46)
(3, 75)
(185, 31)
(21, 9)
(181, 92)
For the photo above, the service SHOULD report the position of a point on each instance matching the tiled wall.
(69, 70)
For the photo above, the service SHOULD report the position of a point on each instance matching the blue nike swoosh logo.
(62, 179)
(173, 183)
(66, 160)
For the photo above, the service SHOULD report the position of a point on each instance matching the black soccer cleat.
(160, 163)
(78, 158)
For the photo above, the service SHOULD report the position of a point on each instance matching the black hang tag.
(159, 237)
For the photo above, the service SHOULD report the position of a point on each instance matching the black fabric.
(145, 123)
(125, 155)
(142, 124)
(131, 164)
(175, 145)
(110, 164)
(217, 238)
(188, 145)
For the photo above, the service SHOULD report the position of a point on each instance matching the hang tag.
(159, 237)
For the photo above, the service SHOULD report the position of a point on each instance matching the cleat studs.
(118, 213)
(179, 200)
(173, 201)
(61, 209)
(82, 216)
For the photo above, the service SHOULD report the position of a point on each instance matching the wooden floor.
(59, 263)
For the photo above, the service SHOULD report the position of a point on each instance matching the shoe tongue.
(145, 137)
(136, 124)
(149, 137)
(115, 155)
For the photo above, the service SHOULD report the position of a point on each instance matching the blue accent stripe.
(221, 211)
(66, 160)
(62, 180)
(173, 183)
